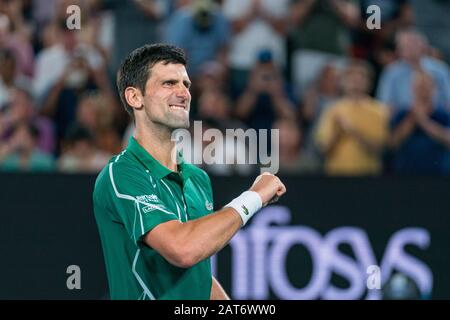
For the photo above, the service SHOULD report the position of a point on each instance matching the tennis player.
(155, 213)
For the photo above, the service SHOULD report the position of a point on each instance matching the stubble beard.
(169, 121)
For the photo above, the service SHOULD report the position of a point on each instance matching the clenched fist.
(269, 187)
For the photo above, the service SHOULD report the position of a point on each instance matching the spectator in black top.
(421, 134)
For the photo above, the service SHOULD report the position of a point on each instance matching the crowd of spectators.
(346, 99)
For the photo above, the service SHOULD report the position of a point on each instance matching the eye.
(169, 83)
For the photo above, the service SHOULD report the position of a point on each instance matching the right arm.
(239, 20)
(196, 240)
(245, 104)
(346, 11)
(300, 10)
(239, 24)
(327, 134)
(50, 103)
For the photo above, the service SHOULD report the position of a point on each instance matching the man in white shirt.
(257, 25)
(53, 61)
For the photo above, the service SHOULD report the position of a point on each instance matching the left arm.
(373, 145)
(346, 11)
(283, 107)
(217, 292)
(435, 130)
(279, 24)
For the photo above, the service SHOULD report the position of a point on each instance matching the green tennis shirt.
(133, 194)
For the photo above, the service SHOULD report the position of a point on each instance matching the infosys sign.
(259, 268)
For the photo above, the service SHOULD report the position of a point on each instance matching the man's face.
(410, 46)
(355, 80)
(21, 106)
(167, 98)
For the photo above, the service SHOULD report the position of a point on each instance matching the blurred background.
(363, 117)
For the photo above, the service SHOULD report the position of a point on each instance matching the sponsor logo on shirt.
(150, 208)
(208, 205)
(148, 198)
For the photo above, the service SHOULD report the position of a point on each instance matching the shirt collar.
(154, 166)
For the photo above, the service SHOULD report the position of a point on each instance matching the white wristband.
(247, 204)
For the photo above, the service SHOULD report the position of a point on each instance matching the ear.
(134, 97)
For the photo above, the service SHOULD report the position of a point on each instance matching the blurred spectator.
(96, 114)
(47, 14)
(352, 132)
(421, 134)
(43, 12)
(201, 30)
(322, 93)
(53, 62)
(215, 105)
(376, 45)
(212, 76)
(265, 97)
(21, 109)
(80, 70)
(136, 22)
(432, 19)
(222, 153)
(257, 25)
(319, 95)
(16, 35)
(214, 111)
(9, 77)
(320, 33)
(62, 101)
(97, 28)
(20, 152)
(47, 37)
(394, 87)
(80, 153)
(292, 158)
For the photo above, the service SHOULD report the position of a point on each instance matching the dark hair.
(363, 65)
(135, 69)
(77, 132)
(31, 128)
(7, 54)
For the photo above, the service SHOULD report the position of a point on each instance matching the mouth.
(178, 106)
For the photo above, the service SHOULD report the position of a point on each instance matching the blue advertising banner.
(327, 238)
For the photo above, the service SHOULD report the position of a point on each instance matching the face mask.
(77, 79)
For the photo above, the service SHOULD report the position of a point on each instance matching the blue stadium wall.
(321, 241)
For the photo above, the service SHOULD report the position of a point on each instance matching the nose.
(183, 92)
